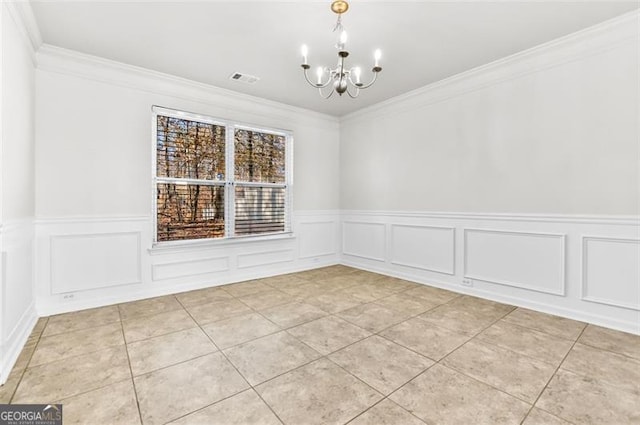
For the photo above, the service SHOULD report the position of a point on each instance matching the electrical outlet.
(67, 297)
(467, 282)
(316, 259)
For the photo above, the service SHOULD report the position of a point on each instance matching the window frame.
(229, 182)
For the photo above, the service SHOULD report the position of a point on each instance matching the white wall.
(520, 178)
(94, 191)
(17, 313)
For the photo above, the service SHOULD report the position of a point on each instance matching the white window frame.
(229, 182)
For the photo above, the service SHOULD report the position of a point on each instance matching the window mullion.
(230, 193)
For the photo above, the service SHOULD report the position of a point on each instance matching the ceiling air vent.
(245, 78)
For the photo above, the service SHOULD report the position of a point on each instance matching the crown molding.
(596, 39)
(23, 16)
(70, 62)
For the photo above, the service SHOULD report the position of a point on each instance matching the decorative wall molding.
(12, 344)
(70, 274)
(176, 269)
(622, 220)
(541, 268)
(367, 244)
(22, 14)
(189, 268)
(596, 39)
(619, 278)
(446, 270)
(513, 253)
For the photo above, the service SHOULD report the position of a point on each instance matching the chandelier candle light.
(340, 77)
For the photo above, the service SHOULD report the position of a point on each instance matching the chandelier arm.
(306, 77)
(353, 96)
(327, 96)
(375, 77)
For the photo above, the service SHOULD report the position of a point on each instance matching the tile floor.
(328, 346)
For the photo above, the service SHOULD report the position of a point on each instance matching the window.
(216, 179)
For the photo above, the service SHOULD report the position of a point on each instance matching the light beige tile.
(518, 375)
(238, 329)
(333, 302)
(203, 296)
(156, 325)
(432, 294)
(386, 413)
(425, 338)
(241, 409)
(529, 342)
(466, 314)
(269, 356)
(396, 284)
(608, 339)
(242, 289)
(553, 325)
(114, 404)
(373, 317)
(328, 334)
(8, 388)
(318, 393)
(328, 272)
(149, 306)
(308, 289)
(540, 417)
(81, 320)
(175, 391)
(293, 314)
(615, 369)
(266, 299)
(211, 312)
(346, 281)
(582, 400)
(367, 292)
(24, 357)
(61, 346)
(71, 376)
(406, 302)
(284, 281)
(445, 397)
(381, 363)
(166, 350)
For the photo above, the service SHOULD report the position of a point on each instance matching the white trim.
(384, 242)
(623, 220)
(11, 346)
(53, 238)
(563, 278)
(584, 280)
(156, 266)
(69, 62)
(22, 14)
(416, 266)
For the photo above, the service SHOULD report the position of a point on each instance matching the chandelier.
(343, 80)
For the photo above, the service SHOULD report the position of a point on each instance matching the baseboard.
(15, 341)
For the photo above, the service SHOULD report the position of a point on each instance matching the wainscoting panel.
(87, 262)
(533, 261)
(317, 238)
(611, 271)
(90, 261)
(265, 258)
(424, 247)
(365, 240)
(541, 262)
(188, 268)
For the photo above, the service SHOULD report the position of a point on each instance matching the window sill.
(176, 246)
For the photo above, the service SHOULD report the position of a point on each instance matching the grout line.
(22, 373)
(553, 375)
(236, 369)
(133, 382)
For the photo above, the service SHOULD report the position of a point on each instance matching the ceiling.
(206, 41)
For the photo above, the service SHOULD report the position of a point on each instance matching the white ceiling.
(206, 41)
